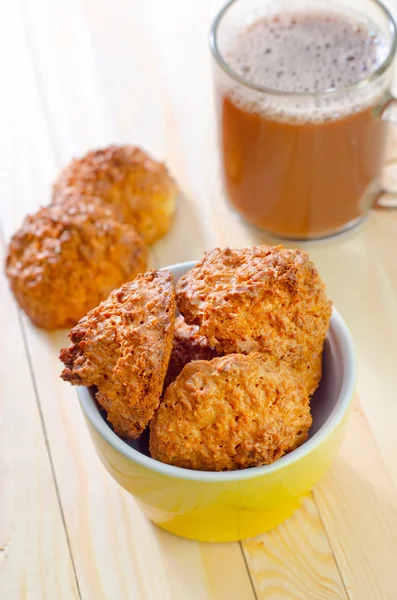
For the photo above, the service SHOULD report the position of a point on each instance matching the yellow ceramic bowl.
(234, 505)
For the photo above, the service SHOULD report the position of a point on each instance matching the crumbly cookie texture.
(139, 188)
(232, 412)
(267, 299)
(310, 371)
(66, 258)
(123, 348)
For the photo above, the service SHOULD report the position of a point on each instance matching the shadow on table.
(186, 240)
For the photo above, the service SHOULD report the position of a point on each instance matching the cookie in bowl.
(228, 505)
(233, 412)
(267, 299)
(123, 347)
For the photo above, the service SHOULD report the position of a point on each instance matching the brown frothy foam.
(308, 52)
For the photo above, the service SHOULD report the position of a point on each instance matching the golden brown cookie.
(266, 298)
(188, 345)
(123, 348)
(139, 188)
(311, 371)
(232, 412)
(66, 258)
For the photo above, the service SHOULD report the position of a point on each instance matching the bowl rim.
(342, 405)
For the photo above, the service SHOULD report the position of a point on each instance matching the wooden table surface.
(79, 74)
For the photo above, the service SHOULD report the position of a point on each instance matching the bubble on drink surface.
(311, 52)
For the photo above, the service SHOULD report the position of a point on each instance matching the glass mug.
(302, 165)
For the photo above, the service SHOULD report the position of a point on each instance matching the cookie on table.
(66, 258)
(139, 188)
(123, 348)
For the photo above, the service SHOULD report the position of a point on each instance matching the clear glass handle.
(387, 198)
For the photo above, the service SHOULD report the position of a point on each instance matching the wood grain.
(361, 277)
(35, 561)
(352, 525)
(357, 502)
(295, 560)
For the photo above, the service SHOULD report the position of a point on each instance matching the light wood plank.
(35, 562)
(361, 275)
(358, 505)
(295, 561)
(202, 571)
